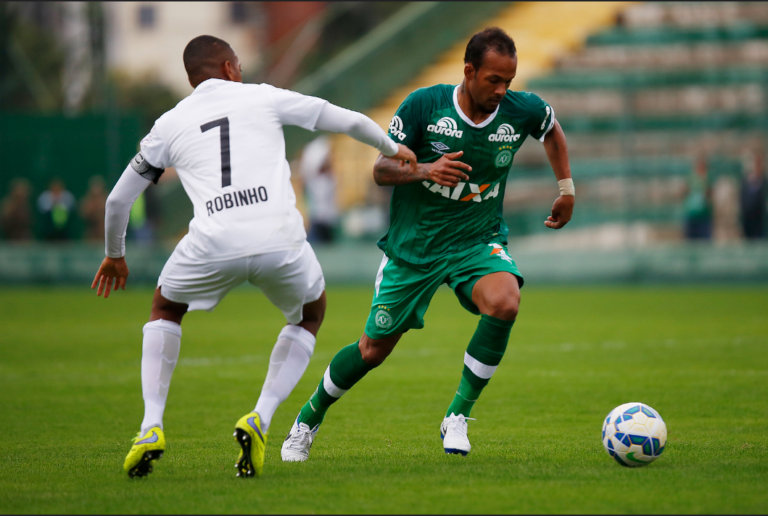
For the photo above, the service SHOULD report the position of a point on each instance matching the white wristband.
(566, 187)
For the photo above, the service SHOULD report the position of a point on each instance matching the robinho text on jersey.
(428, 220)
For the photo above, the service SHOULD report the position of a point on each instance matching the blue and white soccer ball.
(634, 434)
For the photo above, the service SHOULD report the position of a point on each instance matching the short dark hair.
(205, 52)
(492, 38)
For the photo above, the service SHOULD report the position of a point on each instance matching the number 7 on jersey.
(226, 169)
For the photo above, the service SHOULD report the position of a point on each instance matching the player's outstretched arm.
(113, 269)
(339, 120)
(557, 152)
(445, 171)
(297, 109)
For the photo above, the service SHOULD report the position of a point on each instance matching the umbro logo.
(446, 126)
(505, 133)
(549, 110)
(440, 147)
(396, 128)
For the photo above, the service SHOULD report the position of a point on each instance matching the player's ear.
(469, 70)
(227, 71)
(231, 70)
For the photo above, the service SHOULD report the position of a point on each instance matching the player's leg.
(401, 298)
(289, 359)
(184, 284)
(348, 367)
(160, 352)
(497, 297)
(487, 284)
(293, 281)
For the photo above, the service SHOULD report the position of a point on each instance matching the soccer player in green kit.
(446, 227)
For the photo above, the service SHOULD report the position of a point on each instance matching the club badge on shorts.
(383, 319)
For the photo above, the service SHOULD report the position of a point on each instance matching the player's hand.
(447, 172)
(405, 154)
(111, 269)
(562, 211)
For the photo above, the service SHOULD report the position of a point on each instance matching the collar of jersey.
(208, 84)
(466, 118)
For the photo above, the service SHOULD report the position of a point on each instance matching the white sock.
(289, 359)
(162, 341)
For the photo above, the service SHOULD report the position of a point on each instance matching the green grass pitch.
(70, 401)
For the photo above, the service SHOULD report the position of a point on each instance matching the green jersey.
(429, 221)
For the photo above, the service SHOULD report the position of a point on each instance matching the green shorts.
(402, 294)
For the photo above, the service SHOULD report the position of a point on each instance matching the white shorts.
(289, 279)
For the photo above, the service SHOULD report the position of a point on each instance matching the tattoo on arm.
(389, 172)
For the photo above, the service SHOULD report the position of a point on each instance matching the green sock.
(483, 355)
(346, 369)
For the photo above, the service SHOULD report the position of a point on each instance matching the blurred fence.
(355, 263)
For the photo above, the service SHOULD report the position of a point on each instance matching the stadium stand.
(641, 90)
(542, 30)
(642, 99)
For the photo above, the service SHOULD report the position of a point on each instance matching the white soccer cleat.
(453, 432)
(298, 443)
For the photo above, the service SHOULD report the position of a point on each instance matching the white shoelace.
(302, 438)
(457, 424)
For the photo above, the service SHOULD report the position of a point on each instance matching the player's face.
(490, 82)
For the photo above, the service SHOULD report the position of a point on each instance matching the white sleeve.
(296, 109)
(339, 120)
(118, 210)
(154, 149)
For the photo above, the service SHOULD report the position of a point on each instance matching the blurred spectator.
(725, 209)
(15, 213)
(92, 208)
(698, 203)
(320, 189)
(753, 197)
(140, 229)
(56, 206)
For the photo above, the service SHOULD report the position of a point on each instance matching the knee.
(163, 308)
(504, 308)
(312, 320)
(314, 316)
(374, 352)
(374, 356)
(313, 313)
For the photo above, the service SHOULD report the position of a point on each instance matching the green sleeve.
(408, 125)
(542, 117)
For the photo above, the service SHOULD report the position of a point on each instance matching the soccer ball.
(634, 434)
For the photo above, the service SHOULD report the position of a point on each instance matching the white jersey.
(226, 143)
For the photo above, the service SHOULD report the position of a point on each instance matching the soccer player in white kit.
(226, 142)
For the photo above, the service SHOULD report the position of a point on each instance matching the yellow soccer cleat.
(145, 451)
(253, 442)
